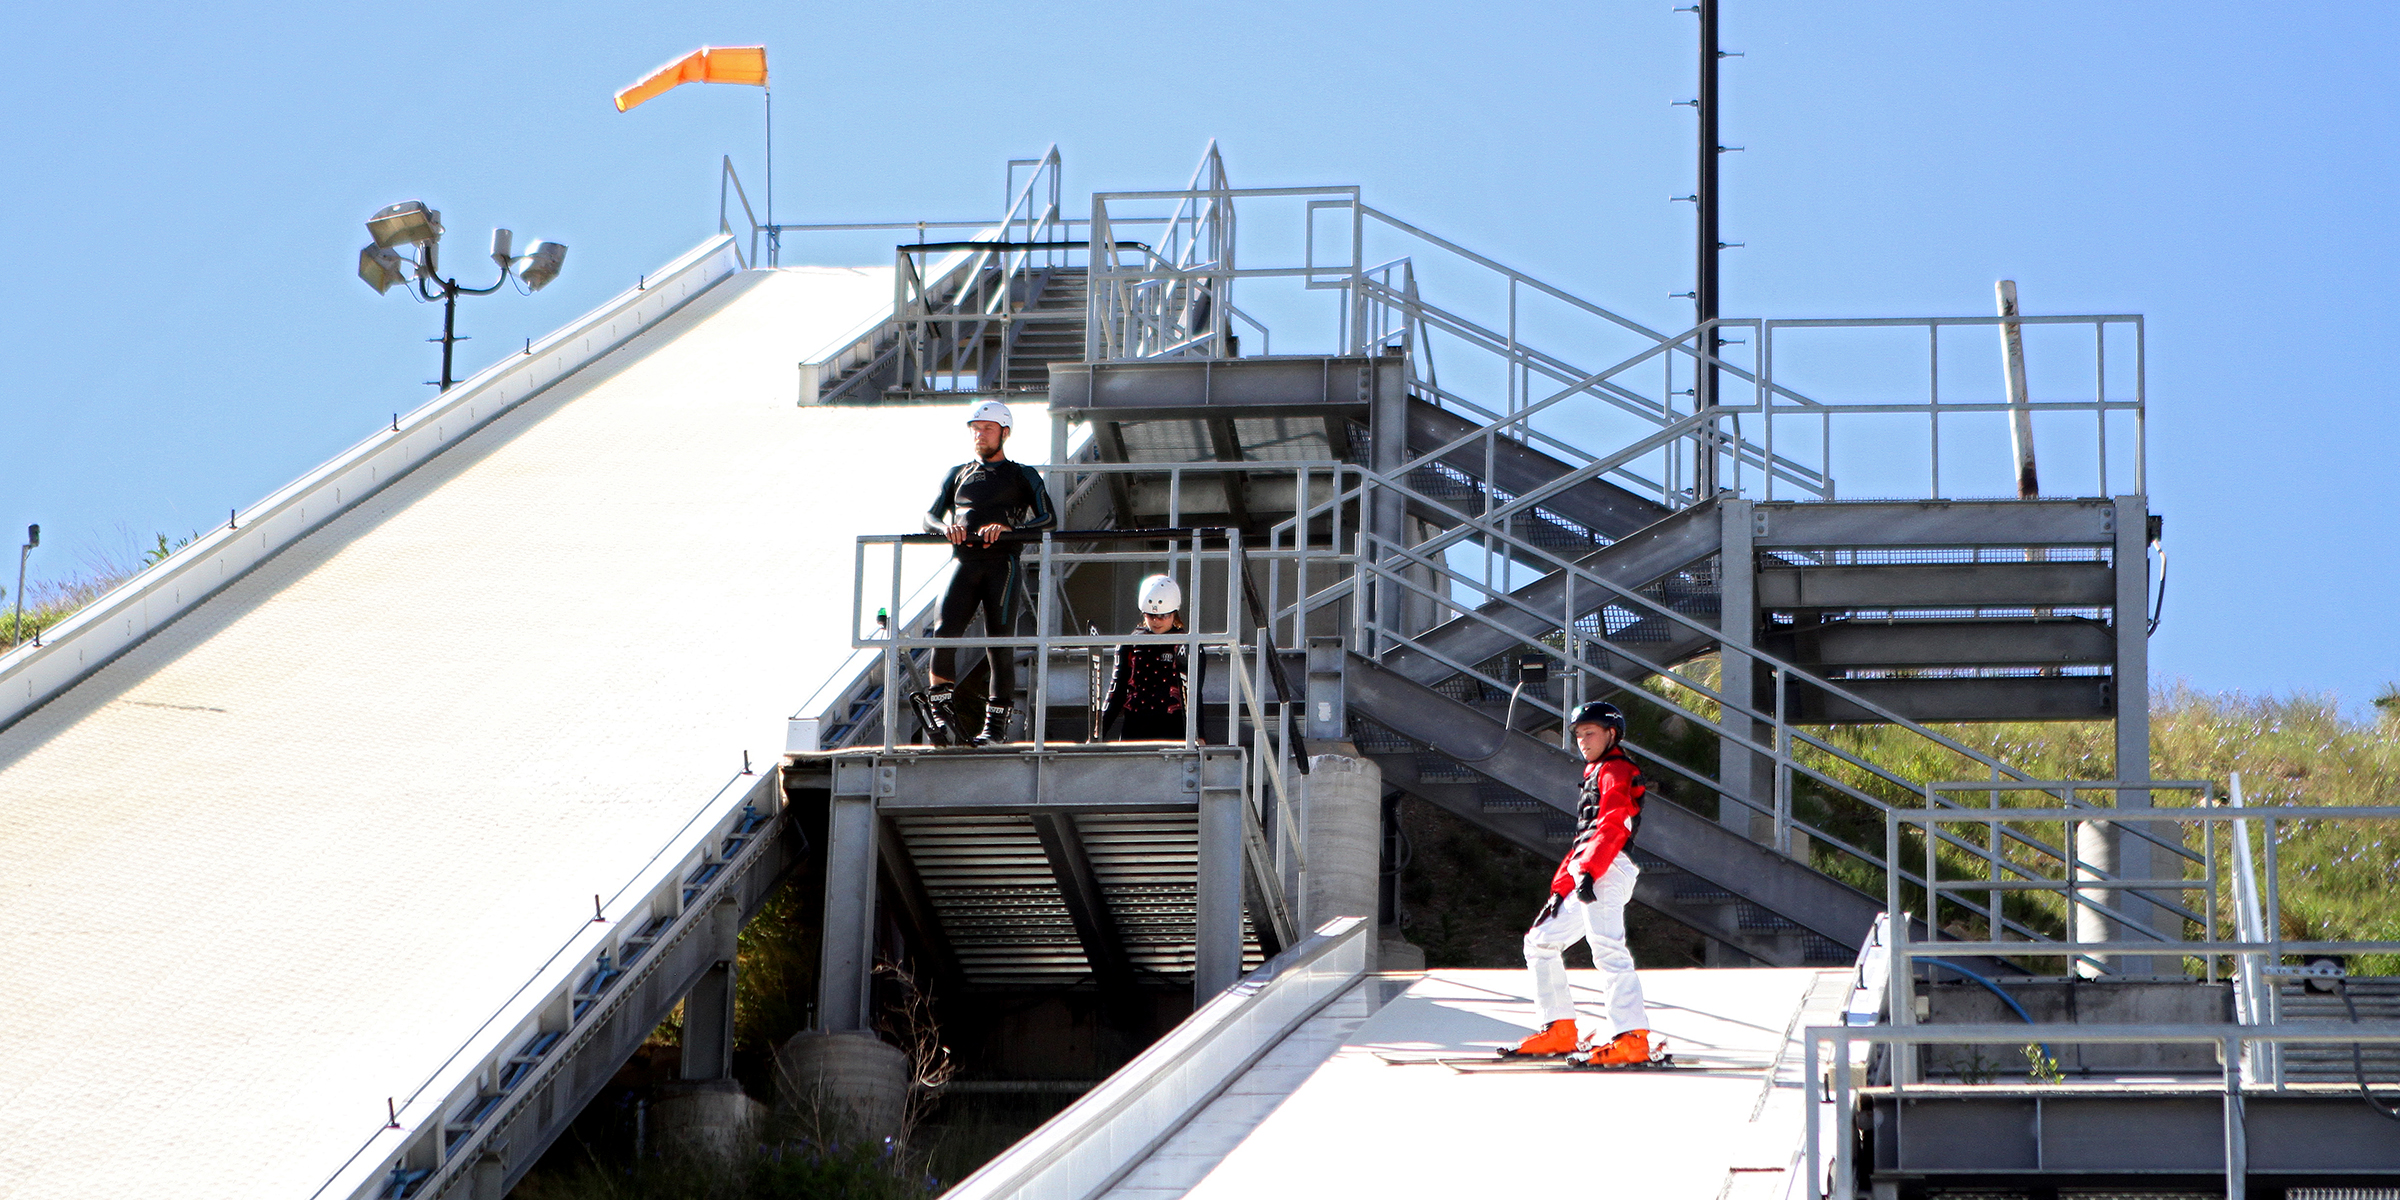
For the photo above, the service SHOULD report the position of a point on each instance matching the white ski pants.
(1601, 923)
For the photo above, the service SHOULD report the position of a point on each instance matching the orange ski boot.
(1555, 1040)
(1628, 1049)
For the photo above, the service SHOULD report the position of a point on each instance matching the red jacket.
(1610, 812)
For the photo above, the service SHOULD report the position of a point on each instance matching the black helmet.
(1599, 712)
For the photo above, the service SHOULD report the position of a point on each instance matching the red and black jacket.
(1605, 821)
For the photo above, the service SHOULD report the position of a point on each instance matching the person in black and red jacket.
(1153, 686)
(1588, 894)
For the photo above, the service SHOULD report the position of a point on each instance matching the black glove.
(1583, 888)
(1549, 909)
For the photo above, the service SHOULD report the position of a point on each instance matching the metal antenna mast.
(1704, 282)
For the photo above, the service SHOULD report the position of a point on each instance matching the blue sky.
(180, 211)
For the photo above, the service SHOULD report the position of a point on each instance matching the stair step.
(1494, 797)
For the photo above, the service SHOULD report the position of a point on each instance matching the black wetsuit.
(1151, 690)
(977, 494)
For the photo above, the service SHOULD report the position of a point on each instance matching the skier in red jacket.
(1587, 903)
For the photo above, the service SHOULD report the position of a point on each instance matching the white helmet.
(1161, 595)
(995, 412)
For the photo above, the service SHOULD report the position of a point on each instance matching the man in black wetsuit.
(979, 501)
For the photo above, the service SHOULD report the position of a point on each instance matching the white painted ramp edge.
(83, 643)
(1116, 1125)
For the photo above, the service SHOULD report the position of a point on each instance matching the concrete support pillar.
(1742, 773)
(708, 1007)
(855, 1081)
(1217, 938)
(848, 956)
(1344, 839)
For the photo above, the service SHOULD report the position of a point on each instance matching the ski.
(1501, 1064)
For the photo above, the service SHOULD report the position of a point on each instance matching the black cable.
(2358, 1058)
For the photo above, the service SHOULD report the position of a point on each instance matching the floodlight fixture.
(542, 264)
(381, 268)
(33, 538)
(408, 223)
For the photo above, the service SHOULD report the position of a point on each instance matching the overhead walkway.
(304, 831)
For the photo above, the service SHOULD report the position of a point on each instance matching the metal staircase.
(1451, 500)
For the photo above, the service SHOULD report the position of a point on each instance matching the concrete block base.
(710, 1118)
(858, 1077)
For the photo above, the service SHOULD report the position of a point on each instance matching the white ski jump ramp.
(1312, 1078)
(316, 824)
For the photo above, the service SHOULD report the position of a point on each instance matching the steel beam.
(1939, 585)
(708, 1007)
(1661, 549)
(1079, 887)
(1517, 468)
(2131, 616)
(1217, 933)
(1066, 776)
(917, 908)
(1299, 385)
(2058, 641)
(1740, 770)
(1228, 448)
(1783, 523)
(2051, 698)
(848, 957)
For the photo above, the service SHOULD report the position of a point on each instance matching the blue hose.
(1994, 988)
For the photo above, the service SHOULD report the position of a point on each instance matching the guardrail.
(1092, 1144)
(2232, 1041)
(109, 626)
(521, 1063)
(1276, 749)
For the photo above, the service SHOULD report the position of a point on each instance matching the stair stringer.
(1678, 836)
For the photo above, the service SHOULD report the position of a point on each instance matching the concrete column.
(855, 1081)
(1741, 772)
(1344, 840)
(1217, 940)
(848, 955)
(708, 1007)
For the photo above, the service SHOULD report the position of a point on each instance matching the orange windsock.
(708, 64)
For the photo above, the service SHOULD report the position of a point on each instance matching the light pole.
(33, 537)
(410, 223)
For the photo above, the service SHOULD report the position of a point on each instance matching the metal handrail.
(2232, 1042)
(1272, 737)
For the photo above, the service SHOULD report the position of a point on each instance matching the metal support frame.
(1086, 907)
(1831, 1051)
(846, 962)
(1217, 938)
(708, 1007)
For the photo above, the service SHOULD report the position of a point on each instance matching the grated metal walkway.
(273, 865)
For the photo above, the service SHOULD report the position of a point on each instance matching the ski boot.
(935, 713)
(1631, 1048)
(1556, 1040)
(995, 724)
